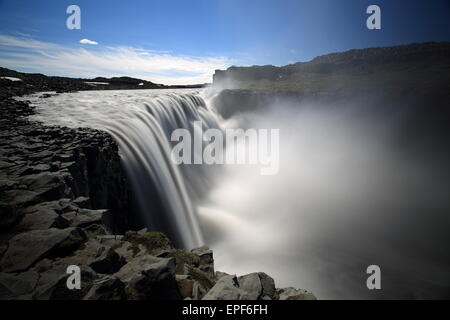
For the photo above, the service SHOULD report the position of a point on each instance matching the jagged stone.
(52, 284)
(257, 285)
(84, 217)
(184, 260)
(6, 184)
(124, 248)
(198, 292)
(154, 242)
(206, 262)
(3, 248)
(185, 286)
(43, 219)
(95, 230)
(205, 279)
(268, 285)
(15, 286)
(83, 202)
(295, 294)
(148, 277)
(102, 259)
(44, 206)
(108, 288)
(27, 248)
(9, 215)
(48, 185)
(251, 284)
(226, 288)
(21, 198)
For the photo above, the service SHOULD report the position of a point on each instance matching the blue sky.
(184, 41)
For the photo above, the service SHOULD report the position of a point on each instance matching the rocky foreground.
(64, 200)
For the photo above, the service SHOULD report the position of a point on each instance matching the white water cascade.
(141, 122)
(345, 197)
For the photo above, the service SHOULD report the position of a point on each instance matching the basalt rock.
(25, 249)
(295, 294)
(227, 288)
(148, 277)
(108, 288)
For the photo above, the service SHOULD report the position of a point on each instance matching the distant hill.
(32, 82)
(410, 82)
(405, 66)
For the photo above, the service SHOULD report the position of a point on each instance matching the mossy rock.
(152, 241)
(61, 292)
(185, 257)
(206, 280)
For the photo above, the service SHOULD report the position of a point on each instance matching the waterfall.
(346, 196)
(142, 123)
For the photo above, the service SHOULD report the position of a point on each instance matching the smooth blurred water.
(345, 197)
(141, 121)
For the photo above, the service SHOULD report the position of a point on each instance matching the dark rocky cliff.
(45, 164)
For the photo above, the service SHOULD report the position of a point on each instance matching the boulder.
(102, 259)
(9, 215)
(67, 205)
(25, 249)
(6, 184)
(149, 277)
(17, 286)
(268, 285)
(154, 242)
(44, 215)
(48, 185)
(251, 284)
(258, 285)
(21, 198)
(226, 288)
(83, 202)
(185, 286)
(44, 219)
(3, 248)
(84, 217)
(206, 262)
(95, 230)
(198, 292)
(205, 279)
(185, 260)
(107, 288)
(45, 206)
(52, 284)
(295, 294)
(124, 248)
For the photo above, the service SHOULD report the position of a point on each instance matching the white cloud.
(87, 41)
(157, 66)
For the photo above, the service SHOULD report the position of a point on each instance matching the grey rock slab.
(148, 277)
(295, 294)
(108, 288)
(102, 259)
(84, 217)
(226, 288)
(257, 285)
(251, 284)
(27, 248)
(13, 286)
